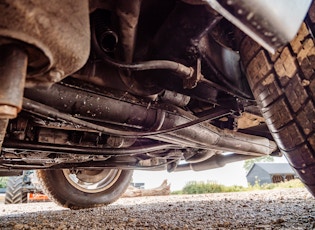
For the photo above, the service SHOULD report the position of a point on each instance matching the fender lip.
(270, 23)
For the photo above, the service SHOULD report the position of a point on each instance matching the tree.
(249, 163)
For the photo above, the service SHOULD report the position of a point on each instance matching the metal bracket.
(191, 82)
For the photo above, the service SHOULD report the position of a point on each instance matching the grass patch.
(194, 187)
(3, 182)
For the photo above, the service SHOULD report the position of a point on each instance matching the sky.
(231, 174)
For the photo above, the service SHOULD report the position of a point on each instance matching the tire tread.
(284, 87)
(14, 192)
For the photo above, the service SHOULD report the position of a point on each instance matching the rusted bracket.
(191, 81)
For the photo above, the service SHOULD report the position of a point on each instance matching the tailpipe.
(217, 161)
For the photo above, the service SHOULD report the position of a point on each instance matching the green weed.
(194, 187)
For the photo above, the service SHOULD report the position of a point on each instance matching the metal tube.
(106, 38)
(64, 149)
(178, 68)
(216, 161)
(13, 65)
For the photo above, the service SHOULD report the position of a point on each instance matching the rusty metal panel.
(57, 35)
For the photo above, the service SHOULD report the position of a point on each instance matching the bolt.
(55, 75)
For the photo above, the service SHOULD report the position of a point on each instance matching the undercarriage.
(101, 88)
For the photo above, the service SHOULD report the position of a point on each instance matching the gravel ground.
(276, 209)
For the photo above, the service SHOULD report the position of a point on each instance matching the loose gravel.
(275, 209)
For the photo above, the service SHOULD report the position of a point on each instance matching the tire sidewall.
(65, 193)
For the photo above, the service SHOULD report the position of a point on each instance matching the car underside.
(92, 90)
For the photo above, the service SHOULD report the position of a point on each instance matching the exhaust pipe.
(216, 161)
(90, 106)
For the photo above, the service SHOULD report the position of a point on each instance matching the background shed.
(267, 173)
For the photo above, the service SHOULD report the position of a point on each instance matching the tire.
(14, 192)
(73, 191)
(284, 87)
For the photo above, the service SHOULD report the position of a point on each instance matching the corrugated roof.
(275, 168)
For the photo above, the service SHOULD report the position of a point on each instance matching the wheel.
(78, 189)
(14, 192)
(283, 85)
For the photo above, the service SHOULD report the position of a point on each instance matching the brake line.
(82, 150)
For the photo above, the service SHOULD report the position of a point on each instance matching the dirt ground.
(275, 209)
